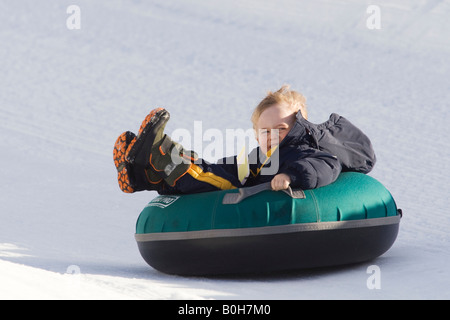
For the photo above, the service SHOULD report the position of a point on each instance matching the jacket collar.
(298, 134)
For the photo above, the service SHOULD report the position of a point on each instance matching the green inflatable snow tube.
(257, 230)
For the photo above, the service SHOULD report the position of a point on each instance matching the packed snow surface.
(66, 230)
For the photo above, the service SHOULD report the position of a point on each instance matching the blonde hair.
(291, 98)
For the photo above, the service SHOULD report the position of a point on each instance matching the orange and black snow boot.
(170, 161)
(131, 154)
(132, 178)
(124, 170)
(150, 132)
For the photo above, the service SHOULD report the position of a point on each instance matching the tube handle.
(234, 198)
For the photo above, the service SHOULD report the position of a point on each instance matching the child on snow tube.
(305, 155)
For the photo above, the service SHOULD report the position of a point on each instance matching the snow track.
(67, 94)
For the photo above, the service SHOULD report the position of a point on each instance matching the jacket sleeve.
(312, 169)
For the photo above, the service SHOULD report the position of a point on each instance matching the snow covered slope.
(67, 94)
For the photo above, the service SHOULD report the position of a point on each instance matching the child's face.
(273, 126)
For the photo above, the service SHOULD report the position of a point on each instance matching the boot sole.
(122, 166)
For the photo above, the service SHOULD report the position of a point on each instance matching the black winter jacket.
(307, 167)
(314, 155)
